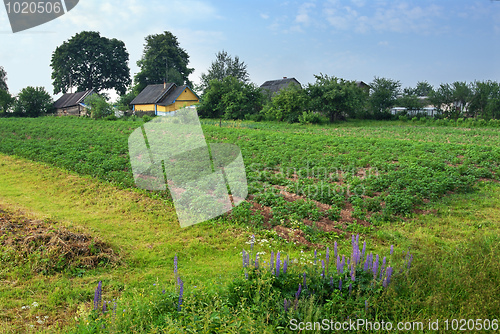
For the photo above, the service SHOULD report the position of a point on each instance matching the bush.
(311, 117)
(99, 107)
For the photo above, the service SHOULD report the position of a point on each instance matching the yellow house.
(164, 98)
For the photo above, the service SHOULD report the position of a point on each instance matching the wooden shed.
(72, 103)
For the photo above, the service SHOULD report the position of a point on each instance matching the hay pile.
(48, 248)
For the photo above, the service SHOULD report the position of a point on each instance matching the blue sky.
(409, 41)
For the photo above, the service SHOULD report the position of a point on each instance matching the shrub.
(311, 117)
(99, 107)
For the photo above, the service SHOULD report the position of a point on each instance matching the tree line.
(91, 61)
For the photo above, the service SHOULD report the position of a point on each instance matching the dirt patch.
(50, 248)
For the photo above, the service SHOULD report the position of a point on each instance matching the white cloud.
(303, 14)
(264, 16)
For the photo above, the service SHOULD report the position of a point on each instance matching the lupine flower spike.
(97, 295)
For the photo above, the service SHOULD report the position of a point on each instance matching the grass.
(455, 244)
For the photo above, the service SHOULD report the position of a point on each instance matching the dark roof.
(152, 94)
(155, 94)
(72, 99)
(361, 84)
(174, 94)
(275, 85)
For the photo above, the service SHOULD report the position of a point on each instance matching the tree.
(410, 101)
(484, 94)
(442, 98)
(99, 107)
(3, 80)
(335, 97)
(383, 95)
(89, 61)
(223, 66)
(6, 100)
(462, 94)
(287, 105)
(230, 99)
(162, 59)
(33, 102)
(422, 89)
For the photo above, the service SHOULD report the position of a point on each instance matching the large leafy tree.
(442, 98)
(162, 59)
(33, 102)
(383, 95)
(3, 79)
(87, 61)
(287, 105)
(335, 97)
(230, 98)
(223, 66)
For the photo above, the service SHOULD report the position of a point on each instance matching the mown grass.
(455, 272)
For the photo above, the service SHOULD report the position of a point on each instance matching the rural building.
(363, 85)
(164, 97)
(72, 103)
(274, 86)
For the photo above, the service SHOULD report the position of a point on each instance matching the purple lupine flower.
(375, 266)
(286, 305)
(285, 265)
(367, 263)
(353, 272)
(297, 294)
(350, 288)
(331, 281)
(364, 250)
(338, 264)
(175, 265)
(382, 268)
(340, 284)
(181, 292)
(335, 249)
(392, 249)
(389, 274)
(304, 283)
(409, 261)
(278, 264)
(323, 266)
(246, 275)
(163, 291)
(244, 256)
(97, 295)
(315, 256)
(256, 261)
(104, 307)
(251, 244)
(114, 308)
(327, 255)
(342, 264)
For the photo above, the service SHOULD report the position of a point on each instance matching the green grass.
(455, 245)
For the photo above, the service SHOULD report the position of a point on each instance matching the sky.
(410, 41)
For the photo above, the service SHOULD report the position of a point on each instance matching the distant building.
(274, 86)
(363, 85)
(163, 98)
(72, 103)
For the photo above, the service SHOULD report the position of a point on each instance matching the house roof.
(362, 84)
(276, 85)
(153, 93)
(173, 95)
(72, 99)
